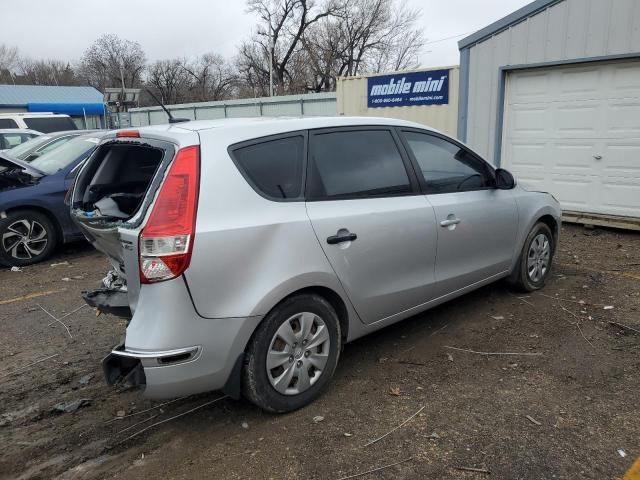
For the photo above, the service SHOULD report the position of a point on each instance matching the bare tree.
(111, 61)
(8, 62)
(278, 40)
(45, 72)
(375, 35)
(212, 78)
(170, 80)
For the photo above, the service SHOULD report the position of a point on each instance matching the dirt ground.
(568, 409)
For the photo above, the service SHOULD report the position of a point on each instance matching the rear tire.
(535, 260)
(292, 355)
(26, 237)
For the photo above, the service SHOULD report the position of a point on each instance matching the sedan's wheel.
(26, 237)
(535, 260)
(292, 354)
(538, 258)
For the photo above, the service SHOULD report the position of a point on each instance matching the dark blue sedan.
(33, 215)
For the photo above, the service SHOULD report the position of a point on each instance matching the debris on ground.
(346, 434)
(59, 263)
(72, 406)
(245, 425)
(16, 269)
(622, 453)
(395, 391)
(318, 419)
(532, 420)
(86, 379)
(608, 307)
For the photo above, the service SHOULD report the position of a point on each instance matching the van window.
(8, 123)
(356, 164)
(274, 168)
(50, 124)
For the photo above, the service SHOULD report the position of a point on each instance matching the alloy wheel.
(298, 353)
(25, 239)
(538, 258)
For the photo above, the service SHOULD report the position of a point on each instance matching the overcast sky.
(63, 29)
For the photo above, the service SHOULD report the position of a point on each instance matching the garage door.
(575, 132)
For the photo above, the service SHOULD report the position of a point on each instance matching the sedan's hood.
(11, 164)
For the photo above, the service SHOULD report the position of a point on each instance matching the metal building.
(83, 104)
(285, 105)
(552, 92)
(353, 98)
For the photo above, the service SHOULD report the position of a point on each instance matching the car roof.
(282, 124)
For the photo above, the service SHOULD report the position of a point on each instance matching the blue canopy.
(77, 109)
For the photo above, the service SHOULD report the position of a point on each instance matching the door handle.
(450, 221)
(598, 157)
(348, 237)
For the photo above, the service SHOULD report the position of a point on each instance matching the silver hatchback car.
(247, 252)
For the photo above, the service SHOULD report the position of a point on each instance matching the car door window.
(274, 168)
(445, 166)
(356, 164)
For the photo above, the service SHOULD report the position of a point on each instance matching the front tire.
(535, 259)
(293, 354)
(26, 237)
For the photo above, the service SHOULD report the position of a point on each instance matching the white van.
(41, 122)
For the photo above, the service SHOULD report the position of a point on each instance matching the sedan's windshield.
(57, 159)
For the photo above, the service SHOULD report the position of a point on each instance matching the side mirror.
(504, 179)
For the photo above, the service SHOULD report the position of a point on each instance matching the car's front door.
(477, 223)
(375, 227)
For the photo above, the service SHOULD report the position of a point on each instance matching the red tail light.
(166, 241)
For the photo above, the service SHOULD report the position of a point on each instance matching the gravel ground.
(568, 409)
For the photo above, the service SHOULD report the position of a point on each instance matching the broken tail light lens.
(166, 240)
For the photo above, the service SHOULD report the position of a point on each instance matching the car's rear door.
(477, 223)
(376, 229)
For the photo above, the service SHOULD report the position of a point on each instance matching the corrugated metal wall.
(352, 101)
(568, 30)
(287, 105)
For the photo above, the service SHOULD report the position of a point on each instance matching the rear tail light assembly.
(166, 241)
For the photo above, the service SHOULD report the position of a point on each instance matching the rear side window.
(356, 164)
(274, 168)
(50, 124)
(8, 123)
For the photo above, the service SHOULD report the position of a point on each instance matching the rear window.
(274, 168)
(356, 164)
(50, 124)
(8, 123)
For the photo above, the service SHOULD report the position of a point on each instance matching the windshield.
(26, 148)
(60, 158)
